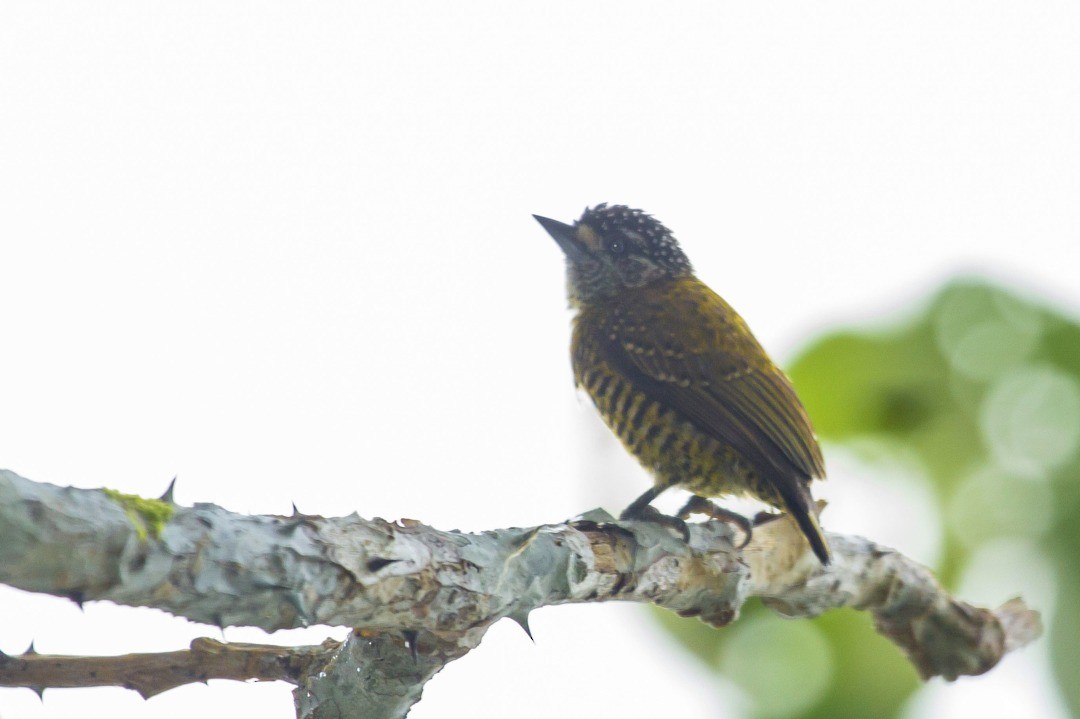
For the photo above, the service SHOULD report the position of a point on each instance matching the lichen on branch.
(418, 597)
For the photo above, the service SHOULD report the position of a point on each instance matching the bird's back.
(680, 379)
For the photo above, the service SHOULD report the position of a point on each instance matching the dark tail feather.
(801, 506)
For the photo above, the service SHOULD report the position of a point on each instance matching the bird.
(678, 376)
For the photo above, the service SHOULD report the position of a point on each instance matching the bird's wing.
(689, 349)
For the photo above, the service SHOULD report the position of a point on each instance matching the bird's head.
(612, 248)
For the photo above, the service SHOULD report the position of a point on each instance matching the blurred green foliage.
(982, 386)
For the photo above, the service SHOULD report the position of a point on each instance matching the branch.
(420, 598)
(152, 674)
(942, 636)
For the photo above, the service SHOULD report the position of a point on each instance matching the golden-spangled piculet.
(676, 373)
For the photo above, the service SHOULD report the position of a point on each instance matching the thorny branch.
(419, 598)
(151, 674)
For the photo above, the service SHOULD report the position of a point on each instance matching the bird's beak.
(563, 234)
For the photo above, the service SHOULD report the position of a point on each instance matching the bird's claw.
(701, 505)
(649, 513)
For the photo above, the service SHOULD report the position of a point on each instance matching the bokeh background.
(284, 251)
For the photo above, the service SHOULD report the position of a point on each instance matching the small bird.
(677, 375)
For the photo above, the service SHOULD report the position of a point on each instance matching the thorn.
(288, 525)
(30, 649)
(168, 496)
(410, 641)
(376, 563)
(522, 620)
(295, 520)
(78, 597)
(39, 690)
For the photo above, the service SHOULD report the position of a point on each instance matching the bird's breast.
(663, 441)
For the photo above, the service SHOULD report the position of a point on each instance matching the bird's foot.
(700, 505)
(764, 517)
(649, 513)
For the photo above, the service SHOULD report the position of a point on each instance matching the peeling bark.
(419, 598)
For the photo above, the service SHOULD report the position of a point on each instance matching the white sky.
(284, 250)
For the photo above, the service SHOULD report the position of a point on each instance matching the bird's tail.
(801, 506)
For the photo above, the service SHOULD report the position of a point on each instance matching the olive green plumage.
(676, 373)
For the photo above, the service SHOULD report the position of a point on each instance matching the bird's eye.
(616, 247)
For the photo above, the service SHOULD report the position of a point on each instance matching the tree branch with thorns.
(418, 598)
